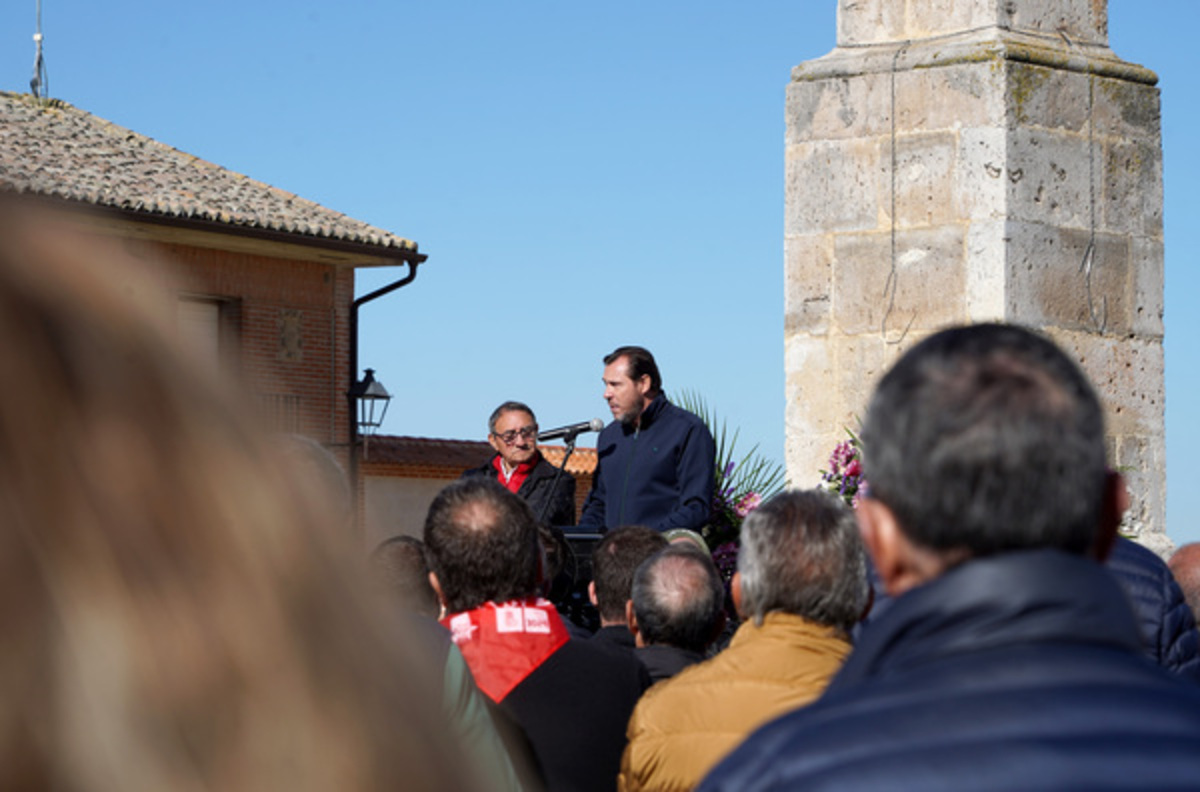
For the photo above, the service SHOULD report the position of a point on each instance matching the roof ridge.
(55, 148)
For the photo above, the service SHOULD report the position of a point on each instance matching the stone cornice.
(981, 45)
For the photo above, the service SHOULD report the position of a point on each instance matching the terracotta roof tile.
(462, 454)
(582, 461)
(52, 149)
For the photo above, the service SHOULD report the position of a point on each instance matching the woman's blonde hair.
(177, 612)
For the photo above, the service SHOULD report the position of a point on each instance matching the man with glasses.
(520, 467)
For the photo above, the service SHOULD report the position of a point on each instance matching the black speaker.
(570, 591)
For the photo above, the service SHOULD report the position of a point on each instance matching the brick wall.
(290, 325)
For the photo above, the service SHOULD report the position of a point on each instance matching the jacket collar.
(649, 415)
(1012, 598)
(789, 628)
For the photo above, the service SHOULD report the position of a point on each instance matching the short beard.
(630, 418)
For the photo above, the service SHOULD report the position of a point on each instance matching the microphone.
(569, 432)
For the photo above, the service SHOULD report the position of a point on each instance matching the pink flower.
(843, 454)
(854, 468)
(747, 503)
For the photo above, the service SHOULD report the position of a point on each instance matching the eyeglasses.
(525, 433)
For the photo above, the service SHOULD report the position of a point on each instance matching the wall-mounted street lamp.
(372, 403)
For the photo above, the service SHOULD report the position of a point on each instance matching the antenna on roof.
(40, 79)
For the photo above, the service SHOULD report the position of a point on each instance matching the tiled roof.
(582, 461)
(462, 454)
(52, 149)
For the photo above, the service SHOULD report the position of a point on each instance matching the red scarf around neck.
(514, 482)
(504, 642)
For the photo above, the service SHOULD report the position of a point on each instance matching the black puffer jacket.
(1168, 628)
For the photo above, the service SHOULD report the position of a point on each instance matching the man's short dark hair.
(640, 363)
(615, 558)
(801, 554)
(507, 407)
(482, 543)
(987, 438)
(678, 598)
(399, 567)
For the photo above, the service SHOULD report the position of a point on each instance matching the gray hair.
(801, 554)
(507, 407)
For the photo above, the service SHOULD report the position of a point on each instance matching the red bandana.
(504, 642)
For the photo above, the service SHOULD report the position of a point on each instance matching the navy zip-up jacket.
(658, 474)
(1023, 670)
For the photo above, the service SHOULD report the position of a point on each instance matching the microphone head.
(596, 425)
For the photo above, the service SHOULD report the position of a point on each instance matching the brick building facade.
(263, 285)
(262, 279)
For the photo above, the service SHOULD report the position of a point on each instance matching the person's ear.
(735, 593)
(437, 588)
(495, 443)
(631, 622)
(901, 566)
(592, 594)
(1116, 503)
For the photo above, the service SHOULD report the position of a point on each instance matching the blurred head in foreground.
(982, 440)
(179, 613)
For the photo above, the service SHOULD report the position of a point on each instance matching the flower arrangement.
(739, 487)
(845, 475)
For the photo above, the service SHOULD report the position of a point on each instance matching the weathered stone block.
(833, 187)
(1126, 110)
(817, 417)
(871, 22)
(810, 408)
(1044, 97)
(951, 97)
(808, 283)
(925, 176)
(1142, 461)
(1146, 262)
(861, 361)
(986, 271)
(1081, 20)
(1127, 374)
(923, 288)
(1050, 178)
(838, 108)
(877, 21)
(1049, 281)
(1130, 175)
(982, 178)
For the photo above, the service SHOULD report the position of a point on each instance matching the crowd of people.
(185, 609)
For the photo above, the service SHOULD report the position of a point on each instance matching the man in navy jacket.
(1009, 658)
(655, 462)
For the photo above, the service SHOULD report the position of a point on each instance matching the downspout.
(412, 262)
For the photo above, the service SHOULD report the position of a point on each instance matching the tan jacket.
(684, 725)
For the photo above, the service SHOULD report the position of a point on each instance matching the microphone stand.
(570, 443)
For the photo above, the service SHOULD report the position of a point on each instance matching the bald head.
(678, 598)
(1185, 566)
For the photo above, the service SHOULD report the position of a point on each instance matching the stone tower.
(968, 160)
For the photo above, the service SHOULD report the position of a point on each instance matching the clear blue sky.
(581, 176)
